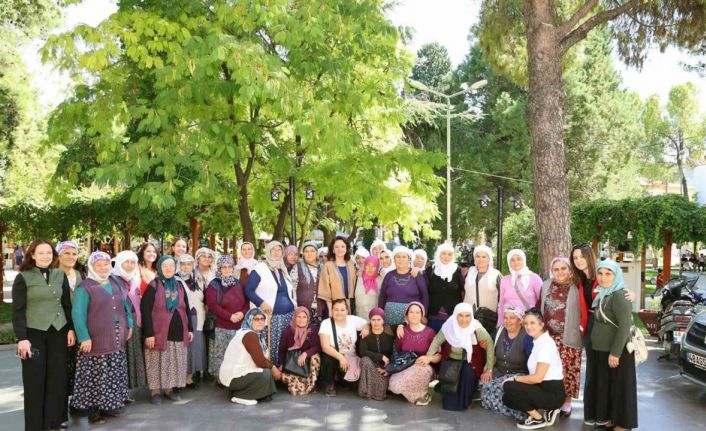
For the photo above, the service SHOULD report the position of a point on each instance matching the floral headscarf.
(247, 325)
(92, 259)
(231, 280)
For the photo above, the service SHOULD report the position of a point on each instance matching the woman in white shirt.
(543, 388)
(338, 346)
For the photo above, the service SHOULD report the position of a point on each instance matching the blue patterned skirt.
(394, 313)
(279, 324)
(491, 395)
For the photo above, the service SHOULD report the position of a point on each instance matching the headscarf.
(322, 250)
(377, 311)
(377, 243)
(290, 249)
(417, 303)
(170, 284)
(205, 278)
(246, 262)
(362, 252)
(389, 268)
(444, 271)
(122, 257)
(231, 280)
(420, 252)
(618, 283)
(92, 259)
(457, 336)
(274, 264)
(517, 311)
(313, 245)
(185, 258)
(523, 273)
(299, 333)
(401, 249)
(484, 249)
(370, 282)
(565, 261)
(247, 325)
(63, 245)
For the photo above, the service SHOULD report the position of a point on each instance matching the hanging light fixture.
(517, 202)
(484, 201)
(309, 193)
(274, 193)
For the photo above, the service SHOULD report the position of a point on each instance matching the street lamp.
(308, 194)
(475, 86)
(517, 204)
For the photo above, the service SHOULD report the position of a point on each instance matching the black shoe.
(113, 413)
(207, 377)
(564, 414)
(193, 385)
(196, 377)
(532, 424)
(95, 418)
(77, 412)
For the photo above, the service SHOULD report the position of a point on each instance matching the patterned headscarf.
(92, 259)
(565, 261)
(63, 245)
(205, 278)
(170, 284)
(247, 325)
(185, 258)
(231, 280)
(274, 264)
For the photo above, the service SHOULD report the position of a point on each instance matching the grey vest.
(44, 299)
(513, 361)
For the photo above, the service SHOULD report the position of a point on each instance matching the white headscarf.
(422, 253)
(444, 271)
(92, 259)
(243, 262)
(473, 271)
(457, 336)
(322, 250)
(362, 252)
(272, 263)
(523, 273)
(391, 267)
(377, 243)
(210, 274)
(401, 249)
(122, 257)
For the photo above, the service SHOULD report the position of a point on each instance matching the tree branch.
(578, 16)
(580, 32)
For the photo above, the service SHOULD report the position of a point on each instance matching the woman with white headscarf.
(103, 323)
(205, 266)
(420, 259)
(387, 264)
(127, 274)
(270, 289)
(445, 286)
(464, 340)
(246, 262)
(522, 288)
(377, 247)
(482, 288)
(196, 351)
(400, 287)
(360, 255)
(68, 252)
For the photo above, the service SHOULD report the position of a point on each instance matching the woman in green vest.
(41, 318)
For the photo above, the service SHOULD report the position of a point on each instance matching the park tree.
(189, 104)
(433, 66)
(676, 132)
(532, 40)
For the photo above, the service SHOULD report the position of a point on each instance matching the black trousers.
(330, 370)
(613, 391)
(45, 380)
(548, 395)
(589, 399)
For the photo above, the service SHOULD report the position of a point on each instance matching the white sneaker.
(237, 400)
(424, 401)
(433, 383)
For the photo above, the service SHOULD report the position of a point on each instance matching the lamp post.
(274, 197)
(475, 86)
(484, 202)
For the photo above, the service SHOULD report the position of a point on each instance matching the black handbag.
(401, 361)
(209, 324)
(291, 366)
(449, 376)
(487, 317)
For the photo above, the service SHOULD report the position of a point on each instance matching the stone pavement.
(666, 402)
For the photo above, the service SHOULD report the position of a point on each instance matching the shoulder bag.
(487, 317)
(636, 340)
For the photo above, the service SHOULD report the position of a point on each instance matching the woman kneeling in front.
(543, 388)
(246, 371)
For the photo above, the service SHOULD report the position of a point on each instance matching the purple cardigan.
(404, 288)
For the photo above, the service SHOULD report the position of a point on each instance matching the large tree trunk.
(195, 233)
(244, 205)
(546, 96)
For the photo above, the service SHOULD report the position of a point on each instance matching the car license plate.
(678, 335)
(696, 360)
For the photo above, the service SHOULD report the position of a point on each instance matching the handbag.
(209, 324)
(487, 317)
(353, 371)
(636, 340)
(401, 361)
(291, 364)
(449, 376)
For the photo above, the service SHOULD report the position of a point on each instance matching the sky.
(443, 21)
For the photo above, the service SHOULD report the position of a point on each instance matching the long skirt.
(71, 366)
(253, 386)
(372, 384)
(491, 395)
(614, 390)
(217, 348)
(135, 351)
(297, 385)
(467, 386)
(196, 351)
(101, 381)
(279, 324)
(167, 369)
(394, 313)
(571, 361)
(412, 383)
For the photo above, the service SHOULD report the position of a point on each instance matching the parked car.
(692, 359)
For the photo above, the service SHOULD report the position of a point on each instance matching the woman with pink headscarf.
(367, 287)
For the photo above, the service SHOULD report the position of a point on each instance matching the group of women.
(382, 320)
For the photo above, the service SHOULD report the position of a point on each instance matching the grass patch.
(7, 336)
(5, 312)
(638, 324)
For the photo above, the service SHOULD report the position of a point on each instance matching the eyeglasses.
(258, 319)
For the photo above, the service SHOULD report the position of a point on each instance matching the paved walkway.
(666, 402)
